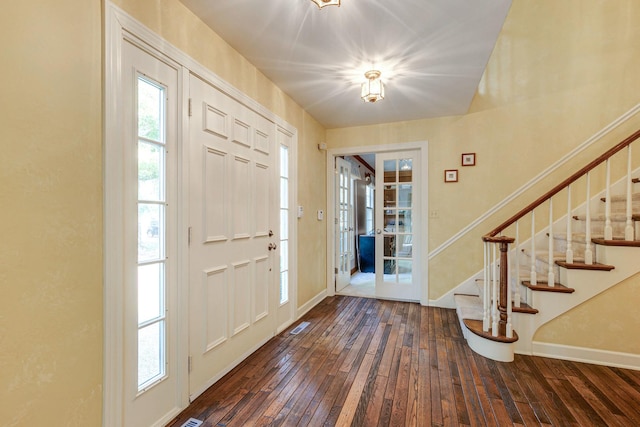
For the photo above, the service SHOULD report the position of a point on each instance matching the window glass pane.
(406, 170)
(405, 268)
(284, 255)
(150, 231)
(284, 224)
(284, 161)
(150, 111)
(405, 193)
(284, 193)
(150, 357)
(150, 292)
(390, 196)
(404, 245)
(390, 167)
(284, 287)
(150, 171)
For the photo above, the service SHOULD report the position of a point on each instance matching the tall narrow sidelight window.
(284, 224)
(151, 279)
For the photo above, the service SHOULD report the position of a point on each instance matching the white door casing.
(234, 224)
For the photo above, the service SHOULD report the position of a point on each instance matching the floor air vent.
(299, 328)
(192, 422)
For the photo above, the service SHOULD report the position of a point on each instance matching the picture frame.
(468, 159)
(451, 175)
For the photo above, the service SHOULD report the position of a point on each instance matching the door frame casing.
(120, 26)
(422, 259)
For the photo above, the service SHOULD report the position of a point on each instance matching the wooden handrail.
(555, 190)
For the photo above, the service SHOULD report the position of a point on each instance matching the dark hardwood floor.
(367, 362)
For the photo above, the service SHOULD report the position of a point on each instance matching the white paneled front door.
(234, 264)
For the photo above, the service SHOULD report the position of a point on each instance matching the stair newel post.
(628, 230)
(509, 327)
(569, 252)
(588, 252)
(533, 277)
(494, 292)
(551, 275)
(516, 283)
(486, 310)
(505, 304)
(608, 229)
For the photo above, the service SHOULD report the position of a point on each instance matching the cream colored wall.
(175, 23)
(559, 73)
(50, 213)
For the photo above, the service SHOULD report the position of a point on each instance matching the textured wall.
(50, 213)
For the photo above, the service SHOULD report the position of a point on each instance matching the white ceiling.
(432, 53)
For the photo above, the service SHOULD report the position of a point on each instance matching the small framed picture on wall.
(468, 159)
(451, 175)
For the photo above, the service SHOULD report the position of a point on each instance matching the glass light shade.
(323, 3)
(373, 88)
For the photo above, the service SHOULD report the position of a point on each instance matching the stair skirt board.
(586, 355)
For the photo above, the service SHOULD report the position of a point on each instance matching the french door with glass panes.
(150, 117)
(397, 225)
(344, 230)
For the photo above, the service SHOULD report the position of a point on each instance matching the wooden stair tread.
(617, 242)
(475, 326)
(524, 308)
(544, 287)
(581, 266)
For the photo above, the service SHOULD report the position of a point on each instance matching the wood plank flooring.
(367, 362)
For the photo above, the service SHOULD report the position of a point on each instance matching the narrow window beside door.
(151, 233)
(284, 224)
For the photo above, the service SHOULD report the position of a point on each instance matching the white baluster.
(509, 329)
(588, 253)
(551, 276)
(569, 253)
(628, 230)
(533, 278)
(516, 284)
(608, 229)
(495, 316)
(486, 296)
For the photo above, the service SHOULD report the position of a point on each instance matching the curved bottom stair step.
(475, 326)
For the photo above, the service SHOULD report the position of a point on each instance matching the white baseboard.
(587, 355)
(311, 303)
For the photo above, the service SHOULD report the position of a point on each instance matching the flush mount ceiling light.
(373, 88)
(323, 3)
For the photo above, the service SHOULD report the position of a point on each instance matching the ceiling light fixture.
(373, 88)
(323, 3)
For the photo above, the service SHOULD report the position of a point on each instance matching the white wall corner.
(304, 309)
(467, 287)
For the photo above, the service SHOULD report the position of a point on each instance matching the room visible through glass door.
(396, 225)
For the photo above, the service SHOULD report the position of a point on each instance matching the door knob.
(272, 246)
(378, 231)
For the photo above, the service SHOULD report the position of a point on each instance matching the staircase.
(533, 274)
